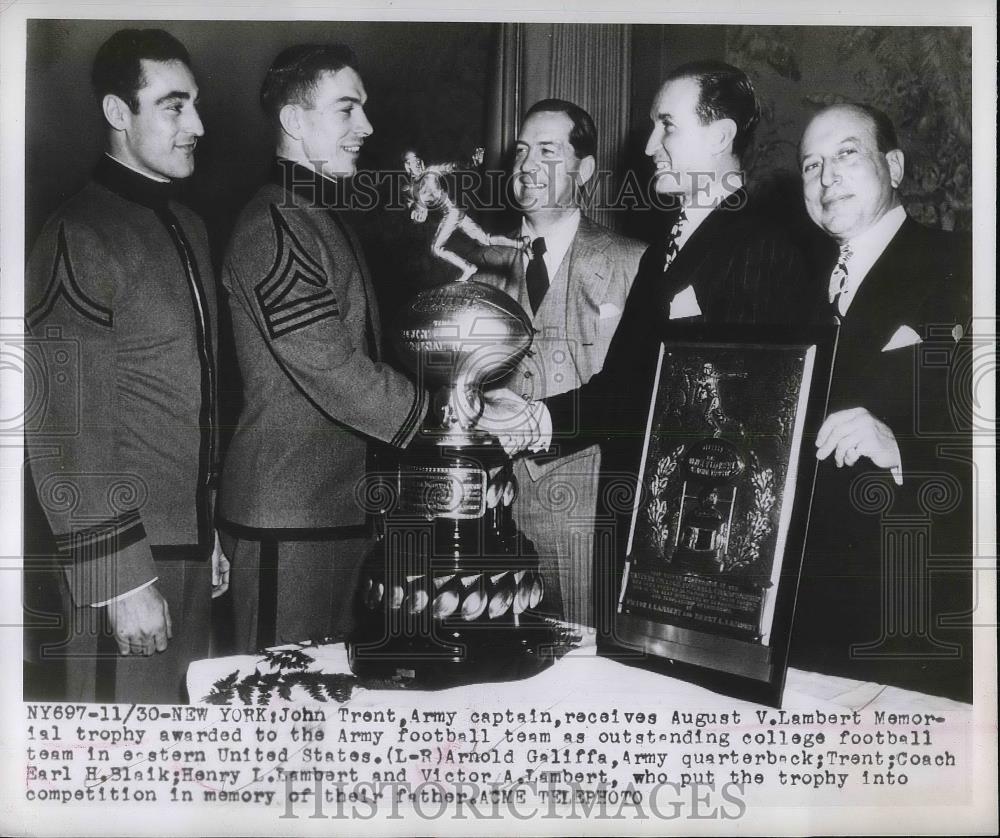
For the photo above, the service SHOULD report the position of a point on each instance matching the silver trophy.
(451, 591)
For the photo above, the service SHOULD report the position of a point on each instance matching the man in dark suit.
(722, 262)
(886, 498)
(573, 287)
(316, 396)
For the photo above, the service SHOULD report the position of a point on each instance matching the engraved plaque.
(443, 492)
(718, 526)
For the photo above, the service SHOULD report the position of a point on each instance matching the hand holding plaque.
(721, 507)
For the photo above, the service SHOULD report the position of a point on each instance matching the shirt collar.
(137, 171)
(558, 240)
(867, 247)
(132, 184)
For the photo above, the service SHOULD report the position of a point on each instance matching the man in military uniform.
(316, 395)
(121, 304)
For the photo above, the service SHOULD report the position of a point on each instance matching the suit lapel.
(550, 311)
(584, 270)
(683, 271)
(881, 304)
(588, 273)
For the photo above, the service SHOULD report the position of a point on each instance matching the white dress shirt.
(558, 240)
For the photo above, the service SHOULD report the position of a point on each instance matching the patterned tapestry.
(921, 77)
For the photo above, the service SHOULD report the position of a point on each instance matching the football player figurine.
(427, 193)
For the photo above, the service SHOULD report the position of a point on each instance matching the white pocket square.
(608, 310)
(905, 336)
(684, 304)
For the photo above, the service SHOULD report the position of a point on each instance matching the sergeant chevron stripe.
(295, 293)
(63, 284)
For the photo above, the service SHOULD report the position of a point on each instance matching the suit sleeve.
(935, 408)
(287, 279)
(72, 422)
(762, 279)
(611, 407)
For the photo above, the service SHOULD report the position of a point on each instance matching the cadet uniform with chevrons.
(316, 397)
(121, 313)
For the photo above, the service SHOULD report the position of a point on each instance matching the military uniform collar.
(307, 185)
(132, 184)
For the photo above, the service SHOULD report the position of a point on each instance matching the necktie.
(537, 275)
(675, 233)
(840, 279)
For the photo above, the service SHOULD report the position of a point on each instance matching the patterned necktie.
(537, 275)
(675, 233)
(840, 279)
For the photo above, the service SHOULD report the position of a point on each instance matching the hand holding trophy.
(512, 419)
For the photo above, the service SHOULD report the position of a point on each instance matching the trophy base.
(461, 657)
(452, 592)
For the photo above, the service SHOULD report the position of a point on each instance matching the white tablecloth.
(580, 673)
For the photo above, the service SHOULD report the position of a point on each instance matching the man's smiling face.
(334, 126)
(546, 167)
(159, 139)
(679, 141)
(847, 182)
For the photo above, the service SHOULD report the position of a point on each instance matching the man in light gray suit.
(573, 284)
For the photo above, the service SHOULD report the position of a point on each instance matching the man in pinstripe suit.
(723, 261)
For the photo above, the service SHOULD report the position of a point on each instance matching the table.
(589, 728)
(580, 672)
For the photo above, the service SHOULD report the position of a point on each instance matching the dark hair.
(885, 131)
(117, 66)
(725, 93)
(583, 134)
(293, 75)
